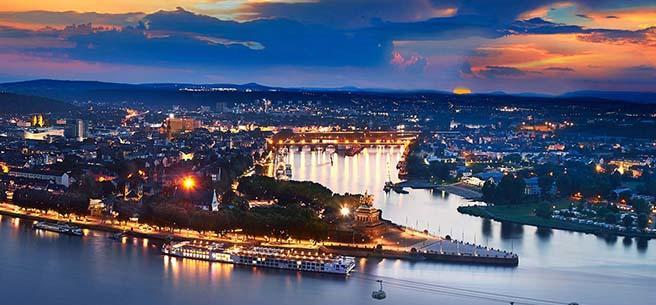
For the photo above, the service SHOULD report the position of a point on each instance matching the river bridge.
(342, 139)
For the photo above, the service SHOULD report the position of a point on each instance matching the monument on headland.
(368, 220)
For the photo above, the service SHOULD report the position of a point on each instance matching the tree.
(3, 194)
(416, 167)
(440, 170)
(510, 190)
(513, 158)
(640, 206)
(488, 190)
(643, 221)
(627, 221)
(544, 210)
(545, 182)
(565, 185)
(611, 218)
(648, 187)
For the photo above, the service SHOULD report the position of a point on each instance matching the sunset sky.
(512, 46)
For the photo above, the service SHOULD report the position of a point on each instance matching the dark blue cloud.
(560, 69)
(187, 38)
(645, 37)
(70, 17)
(541, 26)
(501, 72)
(361, 12)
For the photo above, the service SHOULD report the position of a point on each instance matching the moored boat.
(58, 228)
(267, 257)
(288, 170)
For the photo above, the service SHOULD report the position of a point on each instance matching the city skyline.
(541, 46)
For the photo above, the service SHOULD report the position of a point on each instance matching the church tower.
(215, 202)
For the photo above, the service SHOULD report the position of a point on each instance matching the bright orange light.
(344, 211)
(461, 90)
(187, 157)
(188, 183)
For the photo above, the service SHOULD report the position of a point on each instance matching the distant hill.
(629, 96)
(210, 94)
(64, 90)
(22, 104)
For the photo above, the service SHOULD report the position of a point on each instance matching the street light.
(188, 183)
(344, 211)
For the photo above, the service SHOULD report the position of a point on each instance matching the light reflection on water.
(42, 267)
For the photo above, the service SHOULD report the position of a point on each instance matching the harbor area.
(378, 237)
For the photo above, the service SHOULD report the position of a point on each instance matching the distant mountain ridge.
(629, 96)
(168, 93)
(11, 103)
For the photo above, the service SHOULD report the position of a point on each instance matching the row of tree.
(558, 181)
(295, 193)
(43, 200)
(417, 167)
(510, 190)
(277, 221)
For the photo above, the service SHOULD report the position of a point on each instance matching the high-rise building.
(81, 130)
(222, 107)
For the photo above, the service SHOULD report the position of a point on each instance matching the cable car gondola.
(379, 294)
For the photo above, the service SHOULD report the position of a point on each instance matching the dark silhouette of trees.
(489, 191)
(544, 210)
(510, 190)
(66, 203)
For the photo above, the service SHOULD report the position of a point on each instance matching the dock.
(459, 188)
(444, 251)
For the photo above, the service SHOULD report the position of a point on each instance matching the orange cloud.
(539, 54)
(626, 19)
(114, 6)
(124, 6)
(543, 11)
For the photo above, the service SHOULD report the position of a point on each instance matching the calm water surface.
(47, 268)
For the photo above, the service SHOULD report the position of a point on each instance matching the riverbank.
(438, 250)
(524, 215)
(488, 257)
(462, 189)
(459, 188)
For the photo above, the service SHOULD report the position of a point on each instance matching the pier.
(446, 251)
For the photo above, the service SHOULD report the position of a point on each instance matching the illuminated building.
(215, 202)
(537, 127)
(42, 134)
(186, 156)
(38, 121)
(61, 179)
(81, 130)
(174, 126)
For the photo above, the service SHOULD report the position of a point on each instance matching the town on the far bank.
(218, 171)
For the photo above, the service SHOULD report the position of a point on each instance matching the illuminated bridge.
(343, 138)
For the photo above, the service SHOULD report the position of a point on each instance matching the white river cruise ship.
(269, 257)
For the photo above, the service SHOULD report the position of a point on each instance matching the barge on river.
(268, 257)
(58, 228)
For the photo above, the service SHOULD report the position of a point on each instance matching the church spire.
(215, 202)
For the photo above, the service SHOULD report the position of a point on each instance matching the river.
(47, 268)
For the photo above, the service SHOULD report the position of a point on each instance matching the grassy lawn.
(525, 214)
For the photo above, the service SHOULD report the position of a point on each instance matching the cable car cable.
(457, 291)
